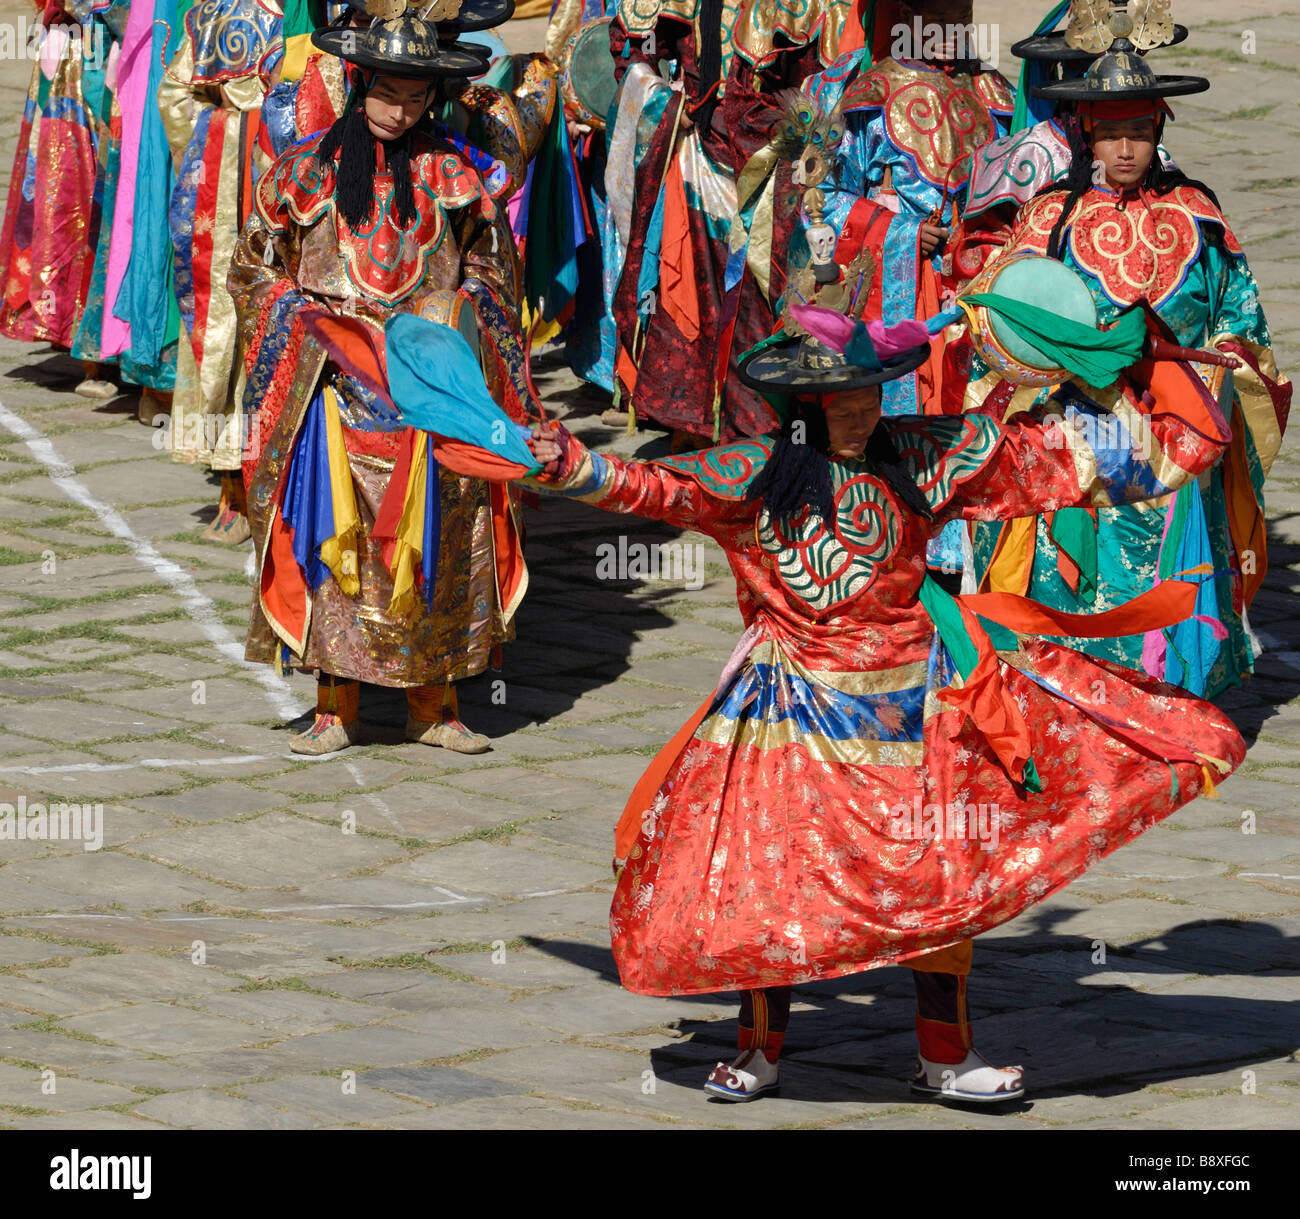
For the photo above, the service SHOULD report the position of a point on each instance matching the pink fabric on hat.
(893, 340)
(825, 325)
(835, 330)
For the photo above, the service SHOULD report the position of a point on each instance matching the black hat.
(1120, 75)
(806, 365)
(1053, 47)
(403, 45)
(478, 15)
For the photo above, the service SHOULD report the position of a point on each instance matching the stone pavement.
(234, 957)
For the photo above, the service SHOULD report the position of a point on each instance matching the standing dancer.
(1137, 230)
(51, 222)
(374, 564)
(695, 290)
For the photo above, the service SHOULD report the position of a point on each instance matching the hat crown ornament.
(391, 10)
(1119, 39)
(1100, 26)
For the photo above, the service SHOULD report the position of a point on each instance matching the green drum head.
(591, 69)
(1050, 285)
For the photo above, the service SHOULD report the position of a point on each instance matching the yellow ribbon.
(339, 553)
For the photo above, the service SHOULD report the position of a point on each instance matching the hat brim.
(1053, 48)
(1084, 91)
(774, 370)
(451, 59)
(479, 15)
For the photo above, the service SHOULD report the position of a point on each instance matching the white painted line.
(455, 900)
(143, 764)
(1150, 875)
(196, 605)
(1268, 875)
(371, 799)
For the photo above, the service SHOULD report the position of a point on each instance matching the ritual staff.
(911, 121)
(819, 815)
(375, 564)
(1136, 230)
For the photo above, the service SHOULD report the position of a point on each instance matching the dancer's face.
(394, 105)
(851, 417)
(946, 14)
(1125, 150)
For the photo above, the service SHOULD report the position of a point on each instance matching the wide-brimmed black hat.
(479, 15)
(405, 45)
(805, 365)
(1120, 75)
(1054, 47)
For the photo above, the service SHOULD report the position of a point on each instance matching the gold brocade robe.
(297, 252)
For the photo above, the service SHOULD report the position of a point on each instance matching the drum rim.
(583, 32)
(998, 337)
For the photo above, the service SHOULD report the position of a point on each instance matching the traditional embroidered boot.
(230, 527)
(948, 1065)
(338, 722)
(95, 385)
(764, 1017)
(432, 718)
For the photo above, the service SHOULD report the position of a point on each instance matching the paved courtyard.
(403, 937)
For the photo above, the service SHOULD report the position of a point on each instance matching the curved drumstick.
(1161, 349)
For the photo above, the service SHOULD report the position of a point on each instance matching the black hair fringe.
(349, 139)
(798, 474)
(709, 60)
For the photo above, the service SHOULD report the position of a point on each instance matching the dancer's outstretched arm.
(646, 489)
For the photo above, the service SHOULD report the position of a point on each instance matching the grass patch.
(1251, 112)
(491, 833)
(52, 1024)
(481, 946)
(254, 984)
(406, 960)
(97, 947)
(25, 1064)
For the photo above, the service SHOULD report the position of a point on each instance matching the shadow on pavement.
(1037, 1000)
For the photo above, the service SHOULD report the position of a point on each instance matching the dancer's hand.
(547, 447)
(932, 238)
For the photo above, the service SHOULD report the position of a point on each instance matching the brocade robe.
(789, 833)
(1155, 250)
(298, 260)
